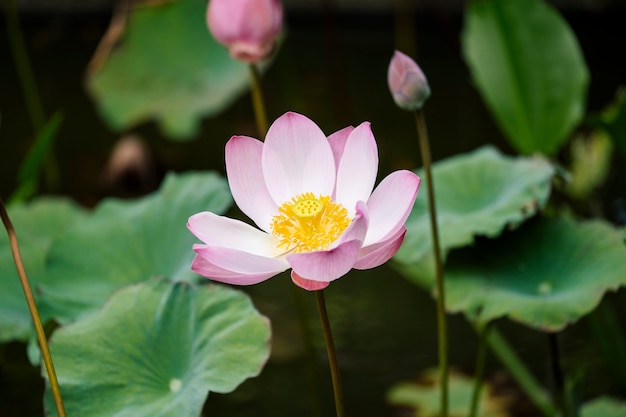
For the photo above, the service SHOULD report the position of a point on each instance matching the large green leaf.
(528, 66)
(477, 194)
(36, 224)
(546, 274)
(165, 66)
(127, 241)
(157, 349)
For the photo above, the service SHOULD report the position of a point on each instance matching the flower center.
(308, 223)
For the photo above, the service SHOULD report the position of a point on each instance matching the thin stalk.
(332, 355)
(405, 27)
(257, 102)
(481, 360)
(32, 306)
(29, 86)
(422, 135)
(501, 348)
(560, 387)
(22, 64)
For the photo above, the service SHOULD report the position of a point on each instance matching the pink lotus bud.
(407, 82)
(248, 28)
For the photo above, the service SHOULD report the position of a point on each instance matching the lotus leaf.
(546, 274)
(127, 241)
(157, 349)
(477, 194)
(160, 62)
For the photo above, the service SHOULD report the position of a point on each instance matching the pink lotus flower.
(407, 82)
(248, 28)
(312, 199)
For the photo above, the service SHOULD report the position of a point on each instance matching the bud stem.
(441, 310)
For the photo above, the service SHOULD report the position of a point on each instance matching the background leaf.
(603, 407)
(423, 396)
(162, 63)
(477, 194)
(613, 120)
(37, 224)
(529, 69)
(127, 241)
(546, 275)
(157, 349)
(590, 163)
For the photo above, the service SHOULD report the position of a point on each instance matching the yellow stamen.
(309, 223)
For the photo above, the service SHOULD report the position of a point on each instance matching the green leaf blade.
(33, 163)
(528, 66)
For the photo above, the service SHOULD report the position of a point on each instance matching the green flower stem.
(422, 135)
(481, 360)
(561, 392)
(258, 102)
(30, 300)
(305, 330)
(501, 348)
(260, 116)
(332, 355)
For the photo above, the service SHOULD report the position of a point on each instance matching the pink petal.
(327, 265)
(297, 158)
(205, 268)
(338, 142)
(390, 205)
(307, 284)
(245, 178)
(379, 253)
(358, 167)
(217, 230)
(236, 261)
(357, 229)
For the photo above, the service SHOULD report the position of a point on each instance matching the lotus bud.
(248, 28)
(407, 82)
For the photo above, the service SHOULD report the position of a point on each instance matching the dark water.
(384, 326)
